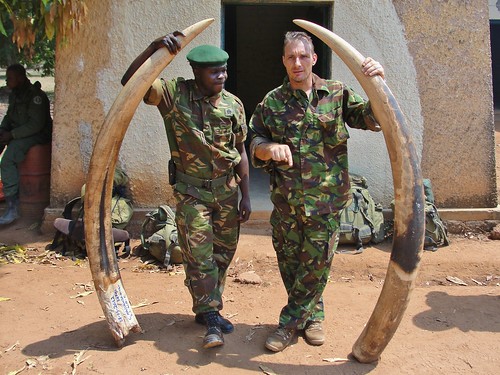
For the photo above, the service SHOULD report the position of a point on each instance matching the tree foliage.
(42, 59)
(32, 25)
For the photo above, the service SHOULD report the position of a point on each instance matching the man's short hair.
(292, 36)
(18, 69)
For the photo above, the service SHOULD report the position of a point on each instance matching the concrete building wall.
(438, 63)
(88, 74)
(374, 29)
(436, 55)
(450, 45)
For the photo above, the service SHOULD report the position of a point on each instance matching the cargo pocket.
(333, 235)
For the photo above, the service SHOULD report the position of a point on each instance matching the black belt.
(201, 182)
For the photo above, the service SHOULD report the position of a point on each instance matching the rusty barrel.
(2, 196)
(34, 181)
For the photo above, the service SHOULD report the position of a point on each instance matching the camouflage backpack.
(436, 233)
(362, 221)
(121, 207)
(69, 229)
(159, 236)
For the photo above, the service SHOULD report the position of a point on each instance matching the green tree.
(8, 10)
(43, 58)
(33, 25)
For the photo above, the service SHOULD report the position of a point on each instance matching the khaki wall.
(436, 55)
(450, 45)
(374, 29)
(438, 63)
(78, 112)
(88, 73)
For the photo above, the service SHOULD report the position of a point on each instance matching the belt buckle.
(207, 184)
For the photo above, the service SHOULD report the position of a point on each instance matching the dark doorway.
(495, 60)
(253, 37)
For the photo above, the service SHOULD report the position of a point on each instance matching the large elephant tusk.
(409, 224)
(97, 218)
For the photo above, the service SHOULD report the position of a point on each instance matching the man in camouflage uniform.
(26, 123)
(206, 130)
(300, 138)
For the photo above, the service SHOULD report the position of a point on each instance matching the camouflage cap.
(207, 55)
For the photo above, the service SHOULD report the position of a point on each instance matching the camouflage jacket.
(28, 113)
(315, 130)
(202, 133)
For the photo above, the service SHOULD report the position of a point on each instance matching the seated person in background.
(27, 123)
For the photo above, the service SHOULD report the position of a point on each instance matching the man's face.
(298, 60)
(13, 80)
(210, 80)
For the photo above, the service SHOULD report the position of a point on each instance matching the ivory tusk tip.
(301, 22)
(366, 358)
(207, 21)
(297, 21)
(192, 31)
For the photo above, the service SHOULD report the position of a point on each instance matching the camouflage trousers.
(13, 156)
(208, 235)
(304, 247)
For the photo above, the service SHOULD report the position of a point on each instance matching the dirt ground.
(51, 325)
(51, 321)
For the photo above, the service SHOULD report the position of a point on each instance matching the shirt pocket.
(223, 134)
(334, 129)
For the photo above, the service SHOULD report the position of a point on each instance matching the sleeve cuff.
(154, 94)
(256, 162)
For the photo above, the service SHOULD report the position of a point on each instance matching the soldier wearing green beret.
(206, 131)
(26, 123)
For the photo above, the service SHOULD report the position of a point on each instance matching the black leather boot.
(12, 212)
(225, 325)
(213, 337)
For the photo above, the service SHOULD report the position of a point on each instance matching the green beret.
(207, 55)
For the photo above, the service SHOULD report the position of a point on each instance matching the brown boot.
(314, 333)
(280, 339)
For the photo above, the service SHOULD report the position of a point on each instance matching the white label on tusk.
(118, 305)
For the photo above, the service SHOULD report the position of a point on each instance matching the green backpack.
(436, 233)
(121, 207)
(121, 213)
(159, 236)
(362, 221)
